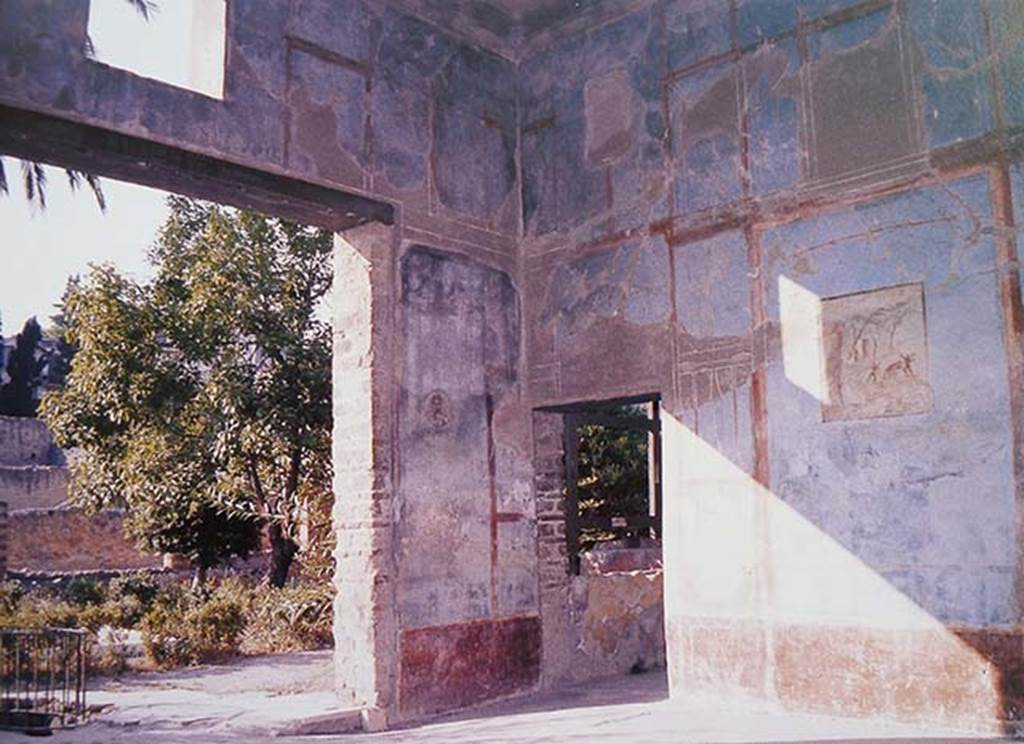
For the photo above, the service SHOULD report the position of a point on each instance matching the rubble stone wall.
(66, 540)
(27, 441)
(33, 487)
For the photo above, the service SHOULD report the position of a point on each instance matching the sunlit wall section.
(872, 574)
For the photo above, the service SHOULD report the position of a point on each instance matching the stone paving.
(253, 699)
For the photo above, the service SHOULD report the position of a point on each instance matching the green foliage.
(138, 585)
(11, 593)
(201, 400)
(129, 597)
(612, 478)
(59, 360)
(292, 618)
(185, 626)
(17, 396)
(84, 591)
(180, 625)
(41, 610)
(189, 627)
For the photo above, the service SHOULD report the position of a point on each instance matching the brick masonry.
(67, 540)
(4, 532)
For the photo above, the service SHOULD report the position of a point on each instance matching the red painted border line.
(1013, 334)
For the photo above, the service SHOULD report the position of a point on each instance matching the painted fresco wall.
(361, 98)
(465, 538)
(792, 219)
(348, 94)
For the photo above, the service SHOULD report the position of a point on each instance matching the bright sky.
(40, 249)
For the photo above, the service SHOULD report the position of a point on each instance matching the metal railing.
(42, 678)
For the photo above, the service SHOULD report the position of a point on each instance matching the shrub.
(82, 591)
(185, 627)
(130, 597)
(42, 611)
(218, 625)
(293, 618)
(11, 593)
(138, 585)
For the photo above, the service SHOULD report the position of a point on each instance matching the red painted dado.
(451, 666)
(966, 677)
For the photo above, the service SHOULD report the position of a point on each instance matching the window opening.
(179, 42)
(613, 481)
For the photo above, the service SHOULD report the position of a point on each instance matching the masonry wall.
(360, 98)
(26, 441)
(33, 487)
(794, 222)
(62, 540)
(32, 468)
(343, 93)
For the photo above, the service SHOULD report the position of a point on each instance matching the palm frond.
(97, 190)
(144, 7)
(34, 178)
(75, 179)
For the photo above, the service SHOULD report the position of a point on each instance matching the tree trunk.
(199, 577)
(282, 552)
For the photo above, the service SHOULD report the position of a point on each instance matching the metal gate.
(42, 678)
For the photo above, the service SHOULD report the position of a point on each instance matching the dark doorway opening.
(613, 476)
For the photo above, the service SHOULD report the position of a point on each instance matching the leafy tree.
(59, 359)
(209, 385)
(612, 472)
(18, 395)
